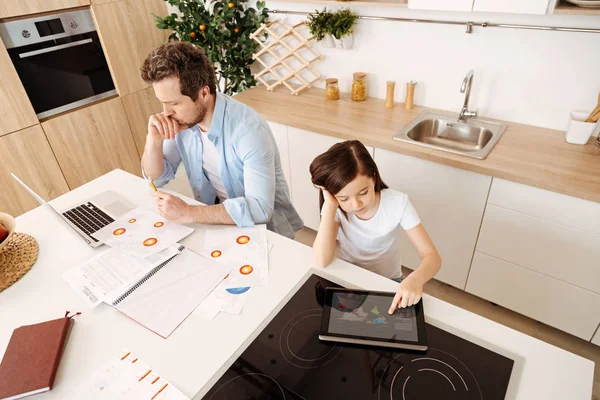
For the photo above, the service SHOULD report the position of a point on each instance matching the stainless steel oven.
(59, 60)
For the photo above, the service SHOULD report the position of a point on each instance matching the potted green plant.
(222, 29)
(341, 27)
(318, 24)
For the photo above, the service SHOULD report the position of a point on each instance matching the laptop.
(91, 215)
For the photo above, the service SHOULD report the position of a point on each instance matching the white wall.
(530, 77)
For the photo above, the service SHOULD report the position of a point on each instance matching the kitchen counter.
(526, 154)
(195, 356)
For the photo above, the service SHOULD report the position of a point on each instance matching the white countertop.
(195, 356)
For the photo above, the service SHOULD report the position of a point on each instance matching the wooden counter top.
(526, 154)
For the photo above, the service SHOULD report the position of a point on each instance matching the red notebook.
(32, 357)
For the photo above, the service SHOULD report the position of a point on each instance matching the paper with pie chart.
(243, 249)
(142, 233)
(230, 300)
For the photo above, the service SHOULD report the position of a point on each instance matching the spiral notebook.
(113, 272)
(169, 293)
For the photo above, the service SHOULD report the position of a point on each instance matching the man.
(229, 153)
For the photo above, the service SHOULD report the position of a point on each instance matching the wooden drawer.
(567, 254)
(566, 307)
(559, 208)
(14, 8)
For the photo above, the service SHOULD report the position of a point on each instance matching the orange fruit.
(227, 44)
(193, 35)
(236, 30)
(230, 5)
(202, 27)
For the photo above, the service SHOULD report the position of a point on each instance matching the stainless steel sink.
(474, 138)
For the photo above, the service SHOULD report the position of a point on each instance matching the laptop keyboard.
(88, 218)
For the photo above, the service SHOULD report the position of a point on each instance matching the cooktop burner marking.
(448, 365)
(248, 374)
(298, 357)
(316, 312)
(403, 388)
(435, 370)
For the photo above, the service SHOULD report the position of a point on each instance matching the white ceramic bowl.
(9, 223)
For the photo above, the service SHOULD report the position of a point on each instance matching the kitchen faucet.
(466, 88)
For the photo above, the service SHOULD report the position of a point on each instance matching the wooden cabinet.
(138, 107)
(512, 6)
(551, 301)
(304, 147)
(450, 202)
(128, 33)
(93, 141)
(15, 107)
(14, 8)
(280, 132)
(441, 5)
(28, 155)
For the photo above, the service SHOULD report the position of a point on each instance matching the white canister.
(578, 131)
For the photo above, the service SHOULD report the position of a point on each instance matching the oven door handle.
(54, 48)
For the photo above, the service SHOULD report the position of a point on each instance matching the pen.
(152, 184)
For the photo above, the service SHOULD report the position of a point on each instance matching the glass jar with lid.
(359, 86)
(332, 90)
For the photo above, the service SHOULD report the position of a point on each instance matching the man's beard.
(200, 113)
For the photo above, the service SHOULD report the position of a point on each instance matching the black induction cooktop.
(287, 361)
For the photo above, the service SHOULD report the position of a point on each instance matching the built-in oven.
(59, 59)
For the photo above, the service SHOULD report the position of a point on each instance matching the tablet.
(361, 317)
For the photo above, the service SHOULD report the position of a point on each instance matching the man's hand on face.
(173, 208)
(162, 127)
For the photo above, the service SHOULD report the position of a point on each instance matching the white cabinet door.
(450, 202)
(561, 209)
(304, 147)
(441, 5)
(564, 253)
(280, 132)
(596, 339)
(512, 6)
(553, 302)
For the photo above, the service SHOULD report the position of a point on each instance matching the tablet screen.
(366, 315)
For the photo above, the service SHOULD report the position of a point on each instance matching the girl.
(359, 210)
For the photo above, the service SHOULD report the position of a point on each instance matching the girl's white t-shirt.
(373, 244)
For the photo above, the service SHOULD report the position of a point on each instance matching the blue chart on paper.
(238, 290)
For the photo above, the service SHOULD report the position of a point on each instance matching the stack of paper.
(166, 299)
(112, 272)
(125, 377)
(142, 233)
(245, 252)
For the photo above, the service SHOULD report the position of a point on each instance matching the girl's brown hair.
(339, 165)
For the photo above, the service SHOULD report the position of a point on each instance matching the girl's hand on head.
(409, 292)
(330, 199)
